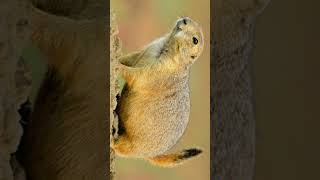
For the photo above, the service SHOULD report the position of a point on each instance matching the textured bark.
(15, 84)
(67, 136)
(115, 52)
(16, 25)
(233, 127)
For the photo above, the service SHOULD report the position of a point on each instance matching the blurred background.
(140, 22)
(286, 68)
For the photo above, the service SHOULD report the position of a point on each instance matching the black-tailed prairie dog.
(154, 105)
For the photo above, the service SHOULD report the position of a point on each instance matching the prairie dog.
(154, 105)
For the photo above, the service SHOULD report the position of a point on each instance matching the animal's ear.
(128, 73)
(128, 65)
(130, 60)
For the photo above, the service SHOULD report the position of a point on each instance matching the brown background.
(287, 82)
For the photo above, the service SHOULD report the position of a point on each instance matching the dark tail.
(171, 160)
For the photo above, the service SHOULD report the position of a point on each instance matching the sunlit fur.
(154, 105)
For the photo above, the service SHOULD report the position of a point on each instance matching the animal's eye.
(195, 40)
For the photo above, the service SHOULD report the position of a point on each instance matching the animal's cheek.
(195, 53)
(184, 52)
(179, 35)
(193, 49)
(186, 44)
(196, 50)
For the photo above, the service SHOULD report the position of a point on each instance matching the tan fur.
(154, 105)
(165, 160)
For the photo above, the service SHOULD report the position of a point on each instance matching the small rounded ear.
(129, 59)
(128, 73)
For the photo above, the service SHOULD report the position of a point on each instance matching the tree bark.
(15, 83)
(115, 52)
(233, 127)
(86, 159)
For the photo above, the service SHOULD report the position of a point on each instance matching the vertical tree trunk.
(17, 23)
(15, 83)
(233, 111)
(67, 136)
(115, 51)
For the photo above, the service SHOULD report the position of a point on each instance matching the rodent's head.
(189, 37)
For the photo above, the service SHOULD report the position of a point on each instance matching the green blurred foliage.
(140, 22)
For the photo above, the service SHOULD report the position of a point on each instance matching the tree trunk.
(115, 52)
(15, 83)
(67, 136)
(233, 127)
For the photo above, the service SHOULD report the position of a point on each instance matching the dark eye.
(195, 40)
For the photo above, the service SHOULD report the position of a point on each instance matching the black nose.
(184, 20)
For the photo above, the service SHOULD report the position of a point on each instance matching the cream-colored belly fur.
(154, 121)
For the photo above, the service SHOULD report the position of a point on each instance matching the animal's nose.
(183, 21)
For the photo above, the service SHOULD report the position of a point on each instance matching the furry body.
(154, 106)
